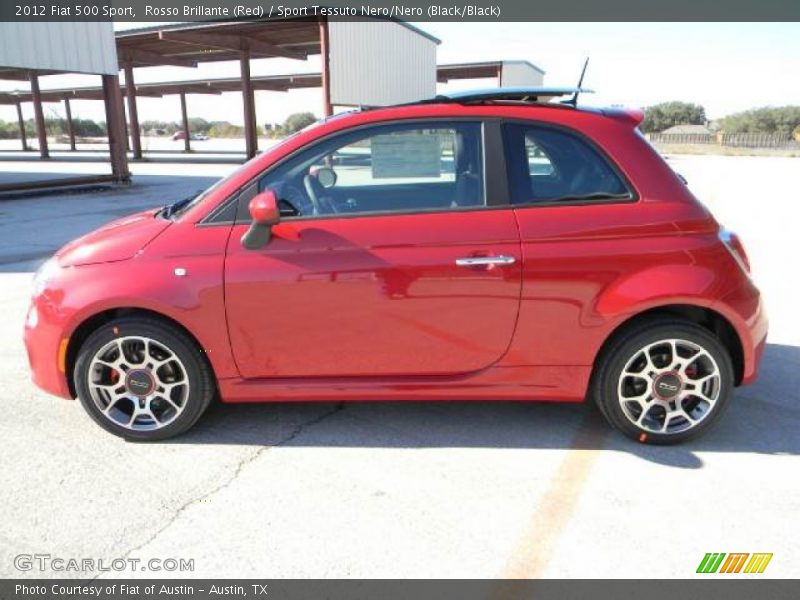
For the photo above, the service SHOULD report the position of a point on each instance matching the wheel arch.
(92, 323)
(708, 318)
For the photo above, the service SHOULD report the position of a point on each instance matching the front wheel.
(143, 379)
(665, 382)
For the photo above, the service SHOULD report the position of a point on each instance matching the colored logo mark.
(736, 562)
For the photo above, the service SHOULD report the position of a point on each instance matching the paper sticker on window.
(406, 155)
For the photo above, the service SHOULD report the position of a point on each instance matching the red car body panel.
(394, 301)
(374, 308)
(119, 240)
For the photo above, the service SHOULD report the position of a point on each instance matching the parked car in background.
(181, 135)
(481, 246)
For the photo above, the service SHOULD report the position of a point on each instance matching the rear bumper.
(758, 341)
(745, 309)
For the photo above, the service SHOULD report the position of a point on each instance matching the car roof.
(479, 105)
(498, 101)
(512, 94)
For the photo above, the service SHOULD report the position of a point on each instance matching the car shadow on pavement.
(762, 418)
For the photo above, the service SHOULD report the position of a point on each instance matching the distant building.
(688, 129)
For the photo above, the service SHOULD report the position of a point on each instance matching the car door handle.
(479, 261)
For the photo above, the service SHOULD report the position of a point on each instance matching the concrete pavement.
(408, 489)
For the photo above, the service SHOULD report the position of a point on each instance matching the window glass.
(389, 168)
(539, 164)
(550, 165)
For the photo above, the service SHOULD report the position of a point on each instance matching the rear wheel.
(664, 382)
(143, 379)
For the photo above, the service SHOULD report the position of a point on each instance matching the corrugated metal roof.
(199, 25)
(57, 47)
(219, 41)
(233, 84)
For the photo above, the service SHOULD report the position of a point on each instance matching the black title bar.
(407, 10)
(373, 589)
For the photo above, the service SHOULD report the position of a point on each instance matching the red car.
(474, 247)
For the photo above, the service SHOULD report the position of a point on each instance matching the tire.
(676, 395)
(146, 372)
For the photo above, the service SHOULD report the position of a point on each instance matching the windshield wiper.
(170, 209)
(592, 196)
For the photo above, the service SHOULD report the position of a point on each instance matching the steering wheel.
(321, 204)
(309, 184)
(295, 198)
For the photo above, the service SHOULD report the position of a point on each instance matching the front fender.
(195, 301)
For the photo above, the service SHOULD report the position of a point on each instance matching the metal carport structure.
(31, 50)
(189, 44)
(275, 83)
(279, 83)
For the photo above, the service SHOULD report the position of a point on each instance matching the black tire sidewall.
(606, 393)
(198, 372)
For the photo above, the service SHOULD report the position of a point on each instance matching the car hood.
(118, 240)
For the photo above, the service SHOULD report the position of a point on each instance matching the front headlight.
(44, 275)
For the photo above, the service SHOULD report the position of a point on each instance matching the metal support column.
(133, 113)
(115, 123)
(36, 95)
(22, 135)
(248, 100)
(185, 120)
(324, 47)
(70, 125)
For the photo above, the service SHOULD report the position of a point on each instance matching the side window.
(388, 168)
(547, 165)
(539, 164)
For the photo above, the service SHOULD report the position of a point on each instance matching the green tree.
(8, 130)
(88, 128)
(769, 119)
(297, 121)
(54, 126)
(223, 129)
(667, 114)
(198, 125)
(168, 127)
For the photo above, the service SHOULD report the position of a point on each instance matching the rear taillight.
(734, 244)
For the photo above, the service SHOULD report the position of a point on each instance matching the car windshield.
(176, 209)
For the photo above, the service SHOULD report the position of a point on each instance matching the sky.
(726, 67)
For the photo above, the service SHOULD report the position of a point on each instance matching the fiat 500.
(473, 247)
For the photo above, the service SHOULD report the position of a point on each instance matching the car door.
(403, 266)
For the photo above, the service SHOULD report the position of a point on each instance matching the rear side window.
(551, 165)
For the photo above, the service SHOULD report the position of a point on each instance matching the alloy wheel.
(138, 383)
(669, 386)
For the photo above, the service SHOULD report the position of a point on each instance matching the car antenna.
(574, 100)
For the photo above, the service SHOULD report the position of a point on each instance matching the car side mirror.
(265, 214)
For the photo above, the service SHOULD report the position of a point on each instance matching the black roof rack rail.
(510, 94)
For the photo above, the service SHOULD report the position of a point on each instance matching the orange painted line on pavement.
(556, 508)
